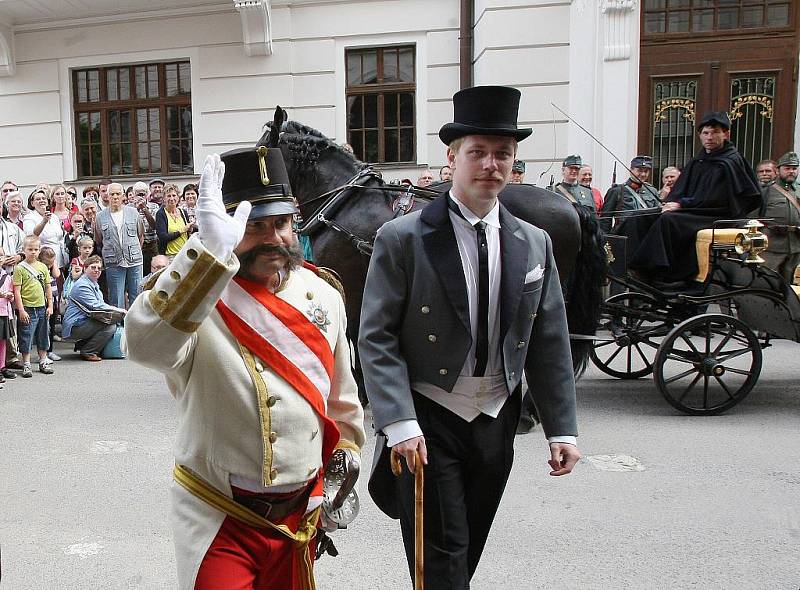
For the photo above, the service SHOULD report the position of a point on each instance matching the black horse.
(345, 203)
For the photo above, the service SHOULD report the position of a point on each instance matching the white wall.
(232, 95)
(525, 44)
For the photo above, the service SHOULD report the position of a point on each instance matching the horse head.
(315, 163)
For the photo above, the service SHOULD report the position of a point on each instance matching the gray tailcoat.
(415, 324)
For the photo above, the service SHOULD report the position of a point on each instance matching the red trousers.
(242, 557)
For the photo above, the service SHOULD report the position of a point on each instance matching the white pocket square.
(534, 274)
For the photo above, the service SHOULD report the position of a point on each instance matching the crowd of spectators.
(65, 255)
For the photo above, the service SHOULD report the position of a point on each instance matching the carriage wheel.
(715, 361)
(627, 342)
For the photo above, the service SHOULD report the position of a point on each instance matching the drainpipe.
(465, 42)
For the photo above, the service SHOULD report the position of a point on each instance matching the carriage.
(703, 343)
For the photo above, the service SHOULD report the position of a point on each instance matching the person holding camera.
(42, 222)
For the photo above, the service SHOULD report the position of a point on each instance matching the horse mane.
(305, 144)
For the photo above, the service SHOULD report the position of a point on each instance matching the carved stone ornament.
(8, 64)
(617, 28)
(256, 26)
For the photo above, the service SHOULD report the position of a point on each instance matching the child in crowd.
(6, 298)
(85, 249)
(33, 299)
(47, 256)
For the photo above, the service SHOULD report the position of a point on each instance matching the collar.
(492, 218)
(788, 185)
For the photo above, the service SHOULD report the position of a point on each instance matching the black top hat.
(484, 110)
(257, 175)
(715, 118)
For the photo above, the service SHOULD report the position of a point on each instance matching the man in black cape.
(718, 183)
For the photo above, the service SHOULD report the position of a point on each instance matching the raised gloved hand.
(218, 231)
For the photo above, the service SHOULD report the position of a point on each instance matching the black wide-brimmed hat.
(484, 110)
(257, 175)
(720, 118)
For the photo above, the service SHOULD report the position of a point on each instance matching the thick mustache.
(267, 249)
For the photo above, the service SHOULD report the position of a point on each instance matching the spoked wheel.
(714, 362)
(630, 333)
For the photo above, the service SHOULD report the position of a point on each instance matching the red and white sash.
(287, 342)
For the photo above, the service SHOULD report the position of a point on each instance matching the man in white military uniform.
(253, 347)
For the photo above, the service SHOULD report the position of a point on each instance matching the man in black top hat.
(635, 194)
(461, 299)
(570, 186)
(253, 345)
(716, 184)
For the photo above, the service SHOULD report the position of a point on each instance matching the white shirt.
(471, 396)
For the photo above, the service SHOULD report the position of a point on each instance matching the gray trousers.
(95, 334)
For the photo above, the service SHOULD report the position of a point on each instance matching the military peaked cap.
(642, 162)
(573, 160)
(789, 159)
(518, 166)
(257, 175)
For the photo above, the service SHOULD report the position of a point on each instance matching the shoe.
(2, 379)
(53, 356)
(8, 374)
(90, 357)
(26, 371)
(56, 338)
(46, 368)
(16, 365)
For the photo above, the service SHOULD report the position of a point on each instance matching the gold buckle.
(262, 164)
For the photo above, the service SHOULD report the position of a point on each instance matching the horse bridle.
(334, 199)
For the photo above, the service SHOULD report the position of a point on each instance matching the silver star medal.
(319, 316)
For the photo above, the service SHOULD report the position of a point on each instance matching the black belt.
(273, 506)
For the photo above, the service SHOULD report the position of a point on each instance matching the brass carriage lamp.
(752, 243)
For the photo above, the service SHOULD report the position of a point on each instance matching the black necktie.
(482, 345)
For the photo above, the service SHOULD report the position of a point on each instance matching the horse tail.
(584, 289)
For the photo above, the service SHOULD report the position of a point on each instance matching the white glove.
(218, 231)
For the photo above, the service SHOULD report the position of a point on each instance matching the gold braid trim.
(306, 532)
(264, 415)
(192, 289)
(332, 278)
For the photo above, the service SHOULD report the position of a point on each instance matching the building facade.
(145, 88)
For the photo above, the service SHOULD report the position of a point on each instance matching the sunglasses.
(9, 190)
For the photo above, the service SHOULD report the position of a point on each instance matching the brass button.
(175, 275)
(443, 371)
(272, 400)
(512, 374)
(521, 344)
(273, 437)
(192, 254)
(432, 337)
(309, 296)
(273, 474)
(425, 309)
(259, 366)
(533, 316)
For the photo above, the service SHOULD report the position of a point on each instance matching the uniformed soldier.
(570, 188)
(633, 195)
(517, 172)
(782, 208)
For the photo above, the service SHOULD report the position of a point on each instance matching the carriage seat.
(725, 237)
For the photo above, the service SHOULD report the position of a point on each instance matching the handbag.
(113, 348)
(104, 316)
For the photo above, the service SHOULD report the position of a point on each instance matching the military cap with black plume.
(257, 175)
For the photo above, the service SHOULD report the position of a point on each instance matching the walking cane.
(419, 532)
